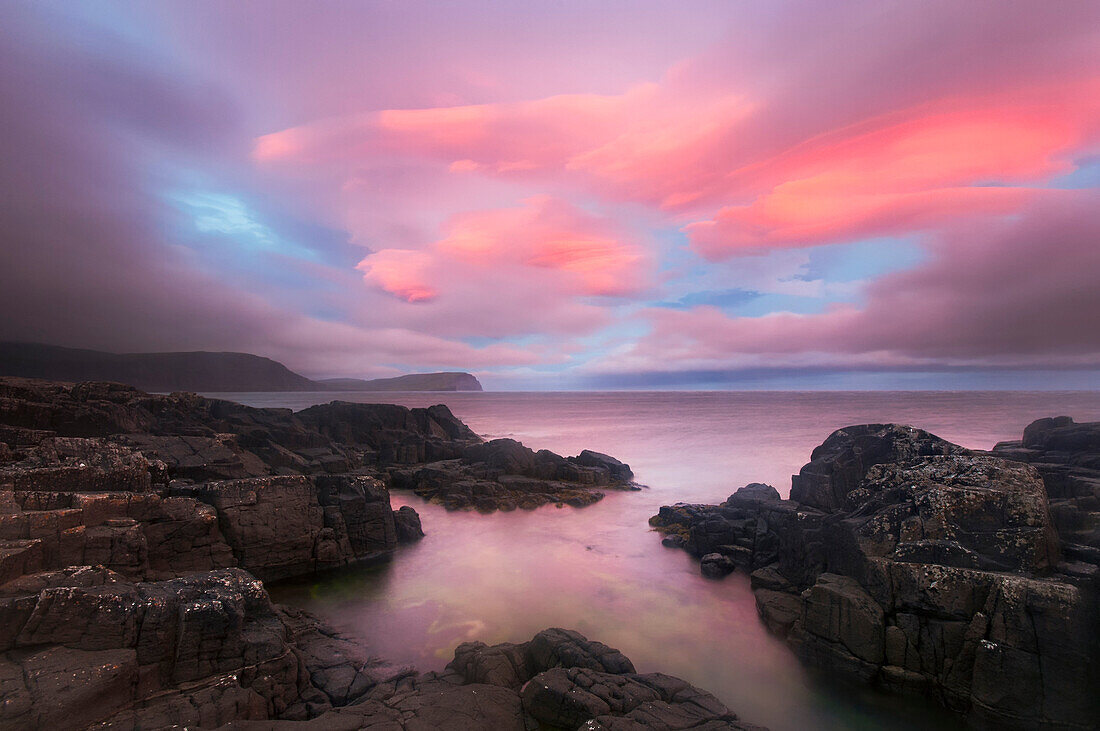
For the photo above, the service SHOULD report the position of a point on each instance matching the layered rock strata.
(913, 564)
(136, 531)
(189, 438)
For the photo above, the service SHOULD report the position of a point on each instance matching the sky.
(562, 195)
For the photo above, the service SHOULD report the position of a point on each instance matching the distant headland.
(200, 371)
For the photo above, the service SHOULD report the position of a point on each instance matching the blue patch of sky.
(832, 264)
(92, 26)
(254, 250)
(230, 220)
(862, 260)
(482, 341)
(1086, 175)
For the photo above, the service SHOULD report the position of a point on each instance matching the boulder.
(407, 524)
(754, 492)
(839, 464)
(716, 566)
(618, 471)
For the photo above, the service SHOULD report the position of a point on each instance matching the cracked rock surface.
(136, 532)
(912, 564)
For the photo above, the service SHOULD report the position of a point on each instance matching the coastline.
(563, 519)
(138, 530)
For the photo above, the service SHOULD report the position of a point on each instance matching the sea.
(602, 570)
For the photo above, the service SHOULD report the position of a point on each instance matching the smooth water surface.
(603, 571)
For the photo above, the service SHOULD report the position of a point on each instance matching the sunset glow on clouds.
(746, 193)
(574, 252)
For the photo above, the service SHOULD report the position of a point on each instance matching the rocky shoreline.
(136, 532)
(909, 563)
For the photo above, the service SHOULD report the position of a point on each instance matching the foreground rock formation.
(84, 648)
(913, 564)
(136, 531)
(557, 680)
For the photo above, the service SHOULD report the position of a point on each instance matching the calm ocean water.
(602, 570)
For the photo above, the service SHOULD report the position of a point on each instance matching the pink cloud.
(512, 271)
(808, 124)
(909, 171)
(1012, 293)
(675, 146)
(588, 255)
(400, 272)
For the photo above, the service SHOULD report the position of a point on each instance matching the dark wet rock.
(394, 434)
(407, 523)
(716, 566)
(358, 507)
(141, 535)
(915, 565)
(160, 486)
(1067, 455)
(617, 470)
(192, 438)
(754, 492)
(279, 527)
(85, 648)
(558, 680)
(172, 500)
(192, 650)
(676, 520)
(503, 474)
(67, 464)
(209, 439)
(839, 464)
(971, 510)
(674, 541)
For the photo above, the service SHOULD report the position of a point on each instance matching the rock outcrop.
(557, 680)
(504, 475)
(84, 646)
(1067, 455)
(913, 564)
(194, 439)
(136, 531)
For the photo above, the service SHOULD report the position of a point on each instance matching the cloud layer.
(449, 196)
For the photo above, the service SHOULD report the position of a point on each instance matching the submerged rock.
(918, 566)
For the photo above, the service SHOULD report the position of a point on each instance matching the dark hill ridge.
(198, 371)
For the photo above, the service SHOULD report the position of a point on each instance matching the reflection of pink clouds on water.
(602, 570)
